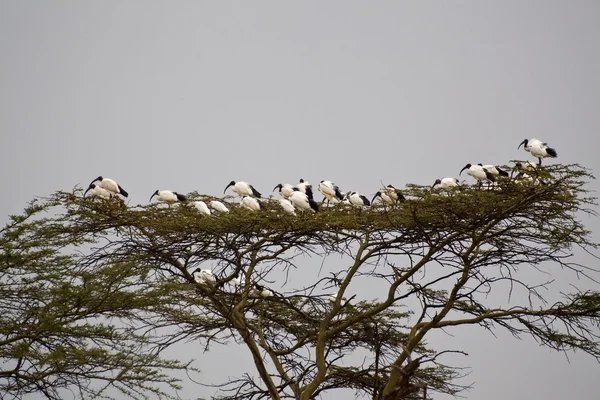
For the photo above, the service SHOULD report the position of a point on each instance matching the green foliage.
(97, 292)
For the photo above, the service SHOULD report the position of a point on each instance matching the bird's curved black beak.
(87, 190)
(277, 187)
(378, 194)
(524, 142)
(230, 184)
(153, 194)
(465, 167)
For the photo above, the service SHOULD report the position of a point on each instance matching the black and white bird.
(204, 276)
(479, 173)
(525, 166)
(251, 203)
(168, 196)
(305, 188)
(538, 149)
(262, 291)
(287, 206)
(330, 191)
(494, 170)
(285, 190)
(111, 186)
(302, 202)
(357, 199)
(98, 191)
(389, 195)
(202, 207)
(243, 189)
(445, 184)
(218, 206)
(236, 280)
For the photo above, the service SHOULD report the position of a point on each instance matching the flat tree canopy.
(95, 293)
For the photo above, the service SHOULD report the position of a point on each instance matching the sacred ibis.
(202, 207)
(218, 206)
(526, 166)
(262, 291)
(168, 196)
(445, 184)
(494, 170)
(479, 173)
(285, 190)
(204, 276)
(305, 188)
(287, 206)
(250, 203)
(236, 280)
(330, 191)
(98, 191)
(302, 202)
(389, 195)
(538, 149)
(113, 187)
(243, 189)
(357, 199)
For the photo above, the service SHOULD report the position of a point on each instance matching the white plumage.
(287, 206)
(445, 184)
(357, 199)
(250, 203)
(98, 191)
(538, 149)
(111, 186)
(168, 196)
(243, 189)
(494, 170)
(330, 191)
(285, 190)
(389, 195)
(526, 166)
(218, 206)
(305, 188)
(202, 207)
(302, 202)
(204, 276)
(262, 291)
(479, 173)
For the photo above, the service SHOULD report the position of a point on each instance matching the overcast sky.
(190, 95)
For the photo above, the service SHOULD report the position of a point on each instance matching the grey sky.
(190, 95)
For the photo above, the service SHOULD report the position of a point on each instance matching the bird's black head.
(230, 184)
(153, 194)
(301, 180)
(480, 164)
(197, 270)
(465, 167)
(437, 182)
(280, 186)
(524, 142)
(390, 186)
(378, 194)
(92, 185)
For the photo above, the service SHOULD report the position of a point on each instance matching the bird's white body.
(168, 196)
(358, 199)
(330, 191)
(285, 190)
(302, 202)
(250, 203)
(218, 206)
(526, 166)
(204, 276)
(202, 207)
(445, 183)
(110, 185)
(287, 206)
(538, 149)
(243, 189)
(305, 188)
(495, 170)
(98, 191)
(236, 281)
(389, 195)
(262, 291)
(479, 173)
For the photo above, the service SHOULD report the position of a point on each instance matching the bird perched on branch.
(111, 186)
(305, 188)
(98, 191)
(168, 196)
(479, 173)
(302, 202)
(285, 190)
(251, 203)
(243, 189)
(538, 149)
(445, 184)
(330, 191)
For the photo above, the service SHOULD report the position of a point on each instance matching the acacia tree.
(99, 292)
